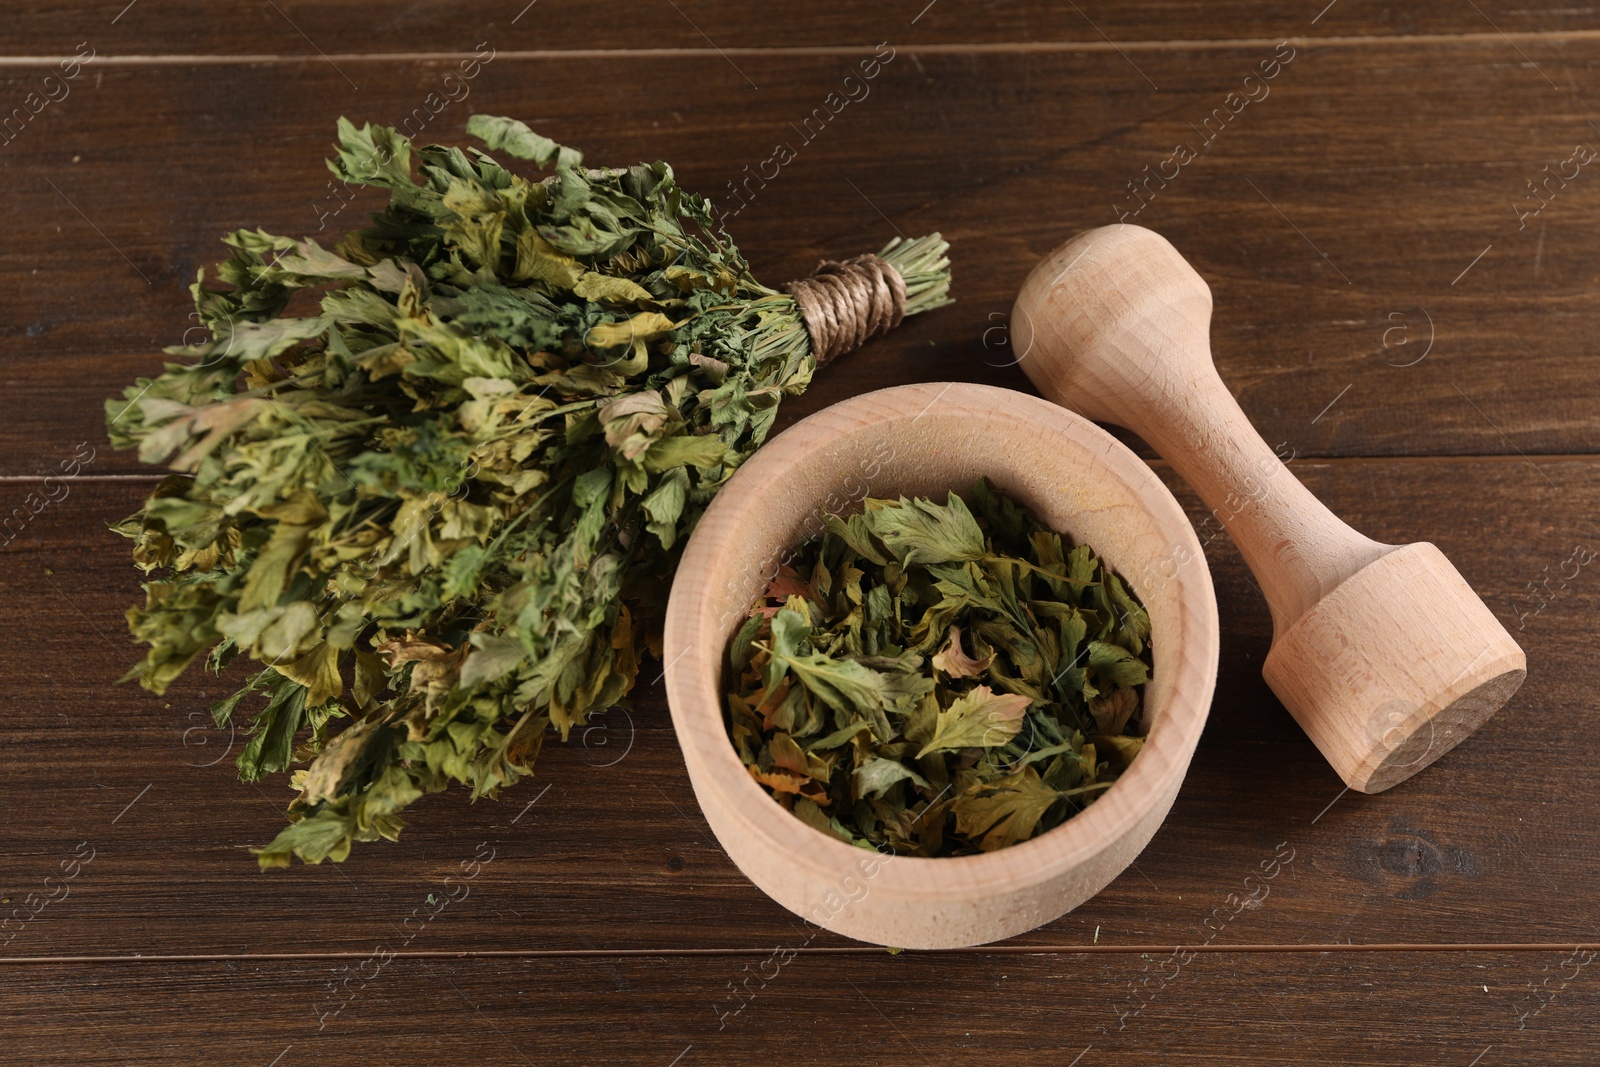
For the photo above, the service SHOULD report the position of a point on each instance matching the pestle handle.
(1115, 325)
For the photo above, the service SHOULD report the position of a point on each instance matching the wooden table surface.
(1394, 303)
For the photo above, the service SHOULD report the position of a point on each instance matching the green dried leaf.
(1116, 665)
(843, 685)
(516, 139)
(1004, 812)
(874, 777)
(920, 531)
(978, 719)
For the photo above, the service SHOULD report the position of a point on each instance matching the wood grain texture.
(619, 857)
(1363, 215)
(1402, 165)
(364, 27)
(1381, 1010)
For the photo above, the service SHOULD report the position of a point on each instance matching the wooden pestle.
(1383, 653)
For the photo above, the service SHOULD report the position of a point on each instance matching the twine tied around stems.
(845, 304)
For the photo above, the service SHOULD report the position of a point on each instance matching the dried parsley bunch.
(939, 680)
(439, 503)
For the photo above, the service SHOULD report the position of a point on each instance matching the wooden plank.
(1332, 222)
(1492, 844)
(307, 27)
(1357, 1009)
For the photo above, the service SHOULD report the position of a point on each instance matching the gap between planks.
(847, 950)
(994, 48)
(1154, 462)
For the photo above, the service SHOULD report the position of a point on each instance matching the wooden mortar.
(1383, 653)
(925, 440)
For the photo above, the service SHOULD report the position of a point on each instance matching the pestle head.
(1109, 318)
(1395, 667)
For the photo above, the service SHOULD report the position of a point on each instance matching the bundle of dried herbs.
(439, 504)
(939, 680)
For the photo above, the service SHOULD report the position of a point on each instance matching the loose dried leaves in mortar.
(440, 507)
(939, 679)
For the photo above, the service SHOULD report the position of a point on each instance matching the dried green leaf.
(1116, 665)
(978, 719)
(516, 139)
(1005, 812)
(920, 531)
(874, 777)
